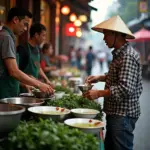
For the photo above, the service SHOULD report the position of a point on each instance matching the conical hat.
(114, 24)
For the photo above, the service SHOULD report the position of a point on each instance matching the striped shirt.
(124, 80)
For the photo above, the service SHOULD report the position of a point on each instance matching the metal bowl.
(52, 97)
(73, 81)
(86, 125)
(26, 95)
(85, 113)
(39, 94)
(85, 87)
(47, 112)
(10, 116)
(24, 101)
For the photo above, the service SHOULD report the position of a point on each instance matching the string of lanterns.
(65, 10)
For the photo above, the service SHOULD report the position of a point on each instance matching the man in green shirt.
(29, 54)
(10, 74)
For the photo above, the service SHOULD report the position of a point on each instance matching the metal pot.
(73, 83)
(10, 116)
(39, 94)
(85, 87)
(23, 101)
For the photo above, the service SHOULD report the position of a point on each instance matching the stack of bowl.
(25, 102)
(85, 120)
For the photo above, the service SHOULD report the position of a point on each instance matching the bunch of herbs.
(46, 134)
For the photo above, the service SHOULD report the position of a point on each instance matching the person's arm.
(104, 93)
(45, 68)
(42, 74)
(51, 68)
(27, 87)
(95, 79)
(14, 71)
(102, 78)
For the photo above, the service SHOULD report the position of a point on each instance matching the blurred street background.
(69, 23)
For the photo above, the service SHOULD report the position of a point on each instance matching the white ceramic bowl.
(59, 95)
(85, 113)
(86, 125)
(46, 112)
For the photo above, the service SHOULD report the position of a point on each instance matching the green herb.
(74, 101)
(46, 135)
(66, 90)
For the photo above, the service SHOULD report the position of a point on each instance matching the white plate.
(49, 110)
(81, 121)
(85, 113)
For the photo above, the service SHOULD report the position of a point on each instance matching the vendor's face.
(40, 38)
(20, 26)
(109, 38)
(50, 51)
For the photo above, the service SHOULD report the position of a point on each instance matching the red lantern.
(70, 29)
(65, 10)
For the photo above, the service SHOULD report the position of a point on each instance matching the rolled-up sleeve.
(8, 48)
(127, 78)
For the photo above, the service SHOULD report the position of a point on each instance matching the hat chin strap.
(115, 37)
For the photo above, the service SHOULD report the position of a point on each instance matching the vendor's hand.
(49, 83)
(53, 68)
(29, 88)
(46, 88)
(63, 58)
(92, 94)
(92, 79)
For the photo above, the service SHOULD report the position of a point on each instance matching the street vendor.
(123, 85)
(29, 54)
(10, 75)
(47, 54)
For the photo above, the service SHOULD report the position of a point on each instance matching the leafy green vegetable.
(46, 135)
(74, 101)
(60, 88)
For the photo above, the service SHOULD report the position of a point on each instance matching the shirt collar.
(10, 32)
(116, 52)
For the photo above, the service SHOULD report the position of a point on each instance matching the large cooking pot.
(73, 84)
(10, 116)
(23, 101)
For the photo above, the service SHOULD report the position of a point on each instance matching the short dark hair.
(90, 47)
(46, 47)
(19, 12)
(36, 28)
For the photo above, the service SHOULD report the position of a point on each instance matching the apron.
(9, 86)
(33, 66)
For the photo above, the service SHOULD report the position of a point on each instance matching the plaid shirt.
(125, 83)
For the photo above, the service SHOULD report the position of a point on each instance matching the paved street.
(142, 131)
